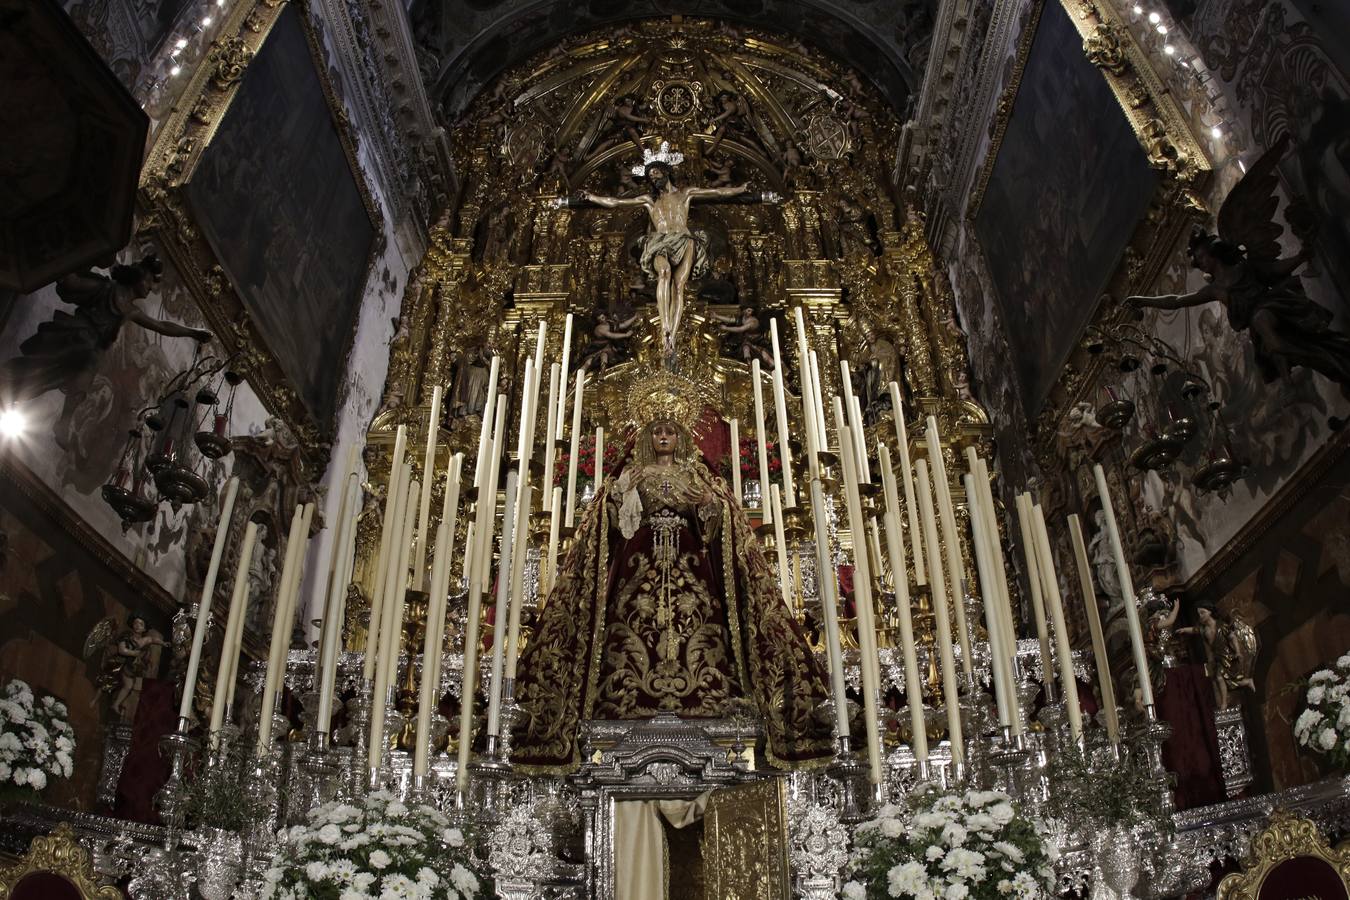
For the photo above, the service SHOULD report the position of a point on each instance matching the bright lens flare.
(13, 423)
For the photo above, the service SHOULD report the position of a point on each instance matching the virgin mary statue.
(666, 604)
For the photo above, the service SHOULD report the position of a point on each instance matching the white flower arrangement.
(382, 848)
(971, 845)
(1324, 724)
(37, 744)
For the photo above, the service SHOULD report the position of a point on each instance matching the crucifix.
(671, 253)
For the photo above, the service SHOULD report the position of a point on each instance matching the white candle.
(599, 459)
(564, 373)
(808, 394)
(998, 653)
(1034, 583)
(570, 520)
(1126, 588)
(862, 594)
(851, 411)
(204, 604)
(827, 578)
(487, 497)
(944, 629)
(339, 577)
(470, 542)
(780, 407)
(485, 428)
(276, 653)
(450, 519)
(521, 523)
(234, 626)
(1105, 684)
(431, 647)
(1067, 680)
(387, 526)
(499, 621)
(554, 520)
(780, 546)
(907, 478)
(550, 444)
(948, 520)
(896, 549)
(761, 444)
(736, 460)
(987, 507)
(391, 627)
(420, 573)
(818, 404)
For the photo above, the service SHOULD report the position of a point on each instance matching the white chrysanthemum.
(329, 834)
(854, 890)
(1327, 739)
(906, 879)
(1009, 850)
(965, 864)
(892, 828)
(934, 852)
(1321, 675)
(379, 859)
(956, 892)
(954, 834)
(464, 880)
(453, 836)
(1002, 812)
(1316, 694)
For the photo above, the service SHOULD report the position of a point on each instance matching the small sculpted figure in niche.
(126, 660)
(1082, 435)
(1104, 561)
(747, 336)
(718, 170)
(1259, 289)
(1231, 646)
(670, 252)
(609, 343)
(468, 394)
(882, 366)
(65, 352)
(857, 229)
(555, 176)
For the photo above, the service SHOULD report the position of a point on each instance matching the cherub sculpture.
(1231, 646)
(126, 659)
(1259, 288)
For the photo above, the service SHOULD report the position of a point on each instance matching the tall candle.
(851, 411)
(998, 655)
(470, 542)
(387, 526)
(450, 518)
(780, 407)
(575, 450)
(276, 653)
(554, 520)
(736, 459)
(550, 444)
(828, 582)
(434, 633)
(1126, 588)
(1034, 583)
(808, 393)
(944, 629)
(907, 478)
(330, 642)
(391, 626)
(1105, 685)
(599, 458)
(862, 594)
(488, 497)
(761, 443)
(564, 375)
(948, 520)
(499, 620)
(895, 548)
(234, 627)
(420, 573)
(988, 508)
(818, 404)
(521, 544)
(291, 591)
(780, 546)
(1067, 680)
(485, 428)
(204, 604)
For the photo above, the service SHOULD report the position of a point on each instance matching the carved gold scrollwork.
(59, 854)
(1105, 50)
(1288, 837)
(230, 58)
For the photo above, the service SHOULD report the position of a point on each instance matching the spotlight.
(206, 23)
(175, 70)
(181, 45)
(1154, 18)
(1138, 10)
(1169, 49)
(1162, 29)
(1216, 132)
(13, 423)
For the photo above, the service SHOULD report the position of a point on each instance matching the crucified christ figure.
(671, 253)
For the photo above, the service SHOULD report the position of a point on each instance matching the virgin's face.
(665, 438)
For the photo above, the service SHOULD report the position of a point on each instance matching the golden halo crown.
(663, 396)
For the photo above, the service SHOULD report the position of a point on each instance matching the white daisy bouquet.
(1324, 724)
(958, 845)
(37, 744)
(382, 848)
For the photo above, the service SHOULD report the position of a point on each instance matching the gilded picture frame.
(168, 217)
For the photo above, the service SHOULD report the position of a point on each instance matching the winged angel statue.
(127, 656)
(1259, 289)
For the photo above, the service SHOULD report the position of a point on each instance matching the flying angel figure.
(1259, 289)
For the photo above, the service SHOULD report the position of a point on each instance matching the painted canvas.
(1068, 189)
(277, 198)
